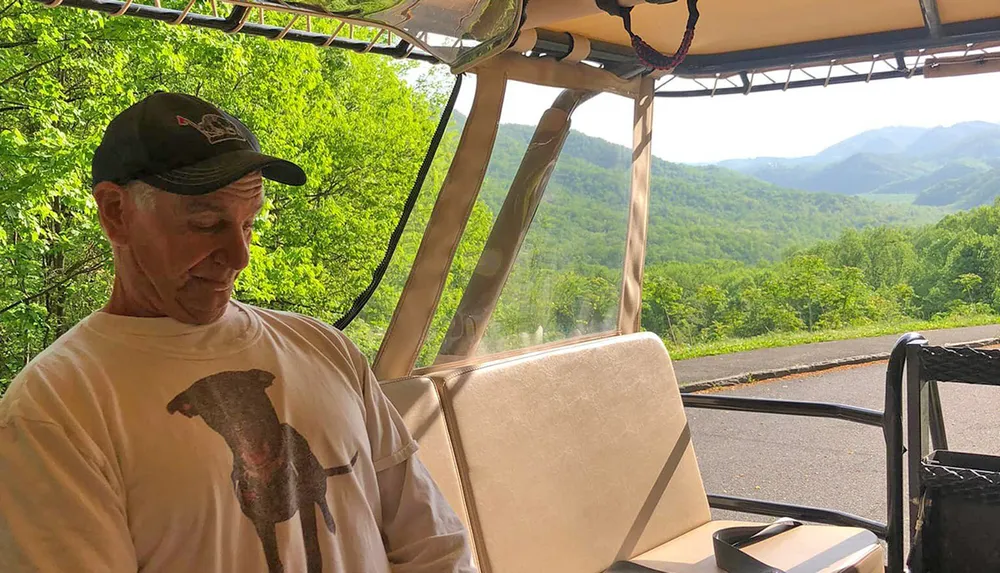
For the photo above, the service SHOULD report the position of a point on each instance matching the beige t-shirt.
(253, 444)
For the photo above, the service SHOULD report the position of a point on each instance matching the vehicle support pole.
(469, 323)
(418, 302)
(917, 415)
(894, 452)
(630, 301)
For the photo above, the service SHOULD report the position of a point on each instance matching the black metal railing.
(891, 422)
(953, 495)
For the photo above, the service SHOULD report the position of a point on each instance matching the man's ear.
(114, 209)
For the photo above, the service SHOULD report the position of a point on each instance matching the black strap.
(728, 544)
(647, 54)
(629, 567)
(411, 201)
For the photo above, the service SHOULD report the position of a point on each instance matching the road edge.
(747, 377)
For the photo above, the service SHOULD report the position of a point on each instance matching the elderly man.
(177, 430)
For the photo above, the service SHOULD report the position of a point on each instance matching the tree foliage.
(355, 126)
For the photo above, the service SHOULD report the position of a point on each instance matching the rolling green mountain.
(888, 140)
(952, 167)
(696, 213)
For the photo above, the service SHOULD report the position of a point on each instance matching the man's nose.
(236, 250)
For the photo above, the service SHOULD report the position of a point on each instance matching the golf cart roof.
(737, 45)
(731, 33)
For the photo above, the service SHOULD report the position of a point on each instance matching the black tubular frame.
(891, 422)
(927, 366)
(402, 49)
(411, 201)
(806, 513)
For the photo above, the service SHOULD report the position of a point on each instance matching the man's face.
(186, 251)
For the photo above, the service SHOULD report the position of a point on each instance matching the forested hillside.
(732, 257)
(352, 123)
(695, 212)
(955, 167)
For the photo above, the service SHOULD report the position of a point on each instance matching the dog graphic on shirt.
(275, 473)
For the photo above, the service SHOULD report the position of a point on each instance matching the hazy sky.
(782, 124)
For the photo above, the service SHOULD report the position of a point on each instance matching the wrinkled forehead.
(249, 186)
(245, 196)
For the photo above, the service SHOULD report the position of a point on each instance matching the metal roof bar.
(787, 85)
(880, 67)
(237, 22)
(932, 19)
(780, 57)
(559, 44)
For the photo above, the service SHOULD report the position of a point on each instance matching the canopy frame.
(863, 58)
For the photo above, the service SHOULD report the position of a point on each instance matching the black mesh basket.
(961, 512)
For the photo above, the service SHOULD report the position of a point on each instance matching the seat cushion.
(574, 456)
(804, 549)
(417, 402)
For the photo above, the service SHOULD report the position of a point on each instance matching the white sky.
(781, 124)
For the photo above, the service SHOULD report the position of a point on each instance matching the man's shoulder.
(65, 353)
(288, 323)
(291, 319)
(47, 376)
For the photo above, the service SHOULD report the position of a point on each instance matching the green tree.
(969, 283)
(584, 304)
(356, 127)
(804, 285)
(665, 311)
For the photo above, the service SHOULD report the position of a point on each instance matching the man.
(177, 430)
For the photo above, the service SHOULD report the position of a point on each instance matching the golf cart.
(574, 454)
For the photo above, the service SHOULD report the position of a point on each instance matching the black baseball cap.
(182, 144)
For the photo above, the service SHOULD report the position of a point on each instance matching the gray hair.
(143, 194)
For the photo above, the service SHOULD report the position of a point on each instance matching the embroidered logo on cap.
(215, 128)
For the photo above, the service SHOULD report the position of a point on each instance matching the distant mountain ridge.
(954, 167)
(696, 212)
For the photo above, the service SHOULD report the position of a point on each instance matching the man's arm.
(422, 532)
(58, 510)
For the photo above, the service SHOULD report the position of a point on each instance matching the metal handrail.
(891, 422)
(786, 407)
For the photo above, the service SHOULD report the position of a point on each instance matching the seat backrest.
(417, 402)
(573, 457)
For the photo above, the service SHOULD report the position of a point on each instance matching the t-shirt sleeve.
(58, 509)
(422, 532)
(390, 440)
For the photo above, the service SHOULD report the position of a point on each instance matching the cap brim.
(215, 173)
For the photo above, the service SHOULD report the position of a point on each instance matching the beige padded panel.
(732, 25)
(417, 402)
(553, 73)
(564, 454)
(952, 11)
(805, 549)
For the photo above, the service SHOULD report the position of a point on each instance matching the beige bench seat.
(567, 460)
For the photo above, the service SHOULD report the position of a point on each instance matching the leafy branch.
(80, 270)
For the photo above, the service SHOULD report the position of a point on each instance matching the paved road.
(825, 463)
(729, 365)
